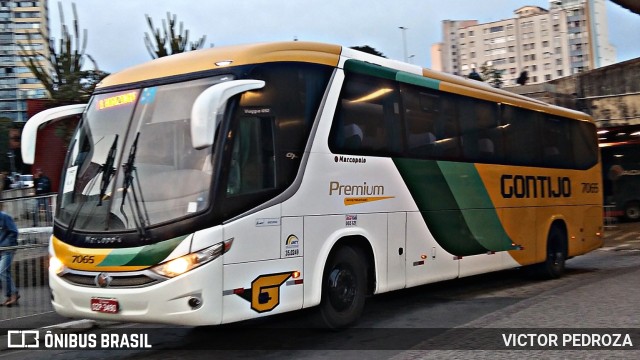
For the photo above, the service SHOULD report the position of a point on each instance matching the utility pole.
(404, 42)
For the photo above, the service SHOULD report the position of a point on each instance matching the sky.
(116, 28)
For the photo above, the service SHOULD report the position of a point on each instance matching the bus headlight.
(191, 261)
(55, 265)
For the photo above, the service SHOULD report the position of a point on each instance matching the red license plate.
(109, 306)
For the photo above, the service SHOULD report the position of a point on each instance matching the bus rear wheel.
(343, 289)
(554, 265)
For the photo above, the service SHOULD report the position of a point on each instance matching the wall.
(610, 94)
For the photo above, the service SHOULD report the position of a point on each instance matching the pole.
(404, 42)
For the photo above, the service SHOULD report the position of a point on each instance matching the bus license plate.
(109, 306)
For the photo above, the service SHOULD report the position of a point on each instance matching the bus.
(619, 147)
(237, 182)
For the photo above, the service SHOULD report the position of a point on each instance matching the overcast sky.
(116, 28)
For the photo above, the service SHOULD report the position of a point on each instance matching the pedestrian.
(8, 237)
(42, 183)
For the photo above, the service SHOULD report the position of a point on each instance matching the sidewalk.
(34, 300)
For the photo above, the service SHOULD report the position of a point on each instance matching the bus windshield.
(131, 163)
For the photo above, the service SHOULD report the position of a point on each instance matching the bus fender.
(553, 220)
(313, 294)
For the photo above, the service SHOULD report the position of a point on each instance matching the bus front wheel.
(343, 289)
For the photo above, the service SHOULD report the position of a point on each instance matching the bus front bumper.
(193, 298)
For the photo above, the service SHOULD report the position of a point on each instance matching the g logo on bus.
(265, 291)
(103, 280)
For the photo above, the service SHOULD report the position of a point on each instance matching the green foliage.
(368, 49)
(63, 76)
(178, 42)
(491, 75)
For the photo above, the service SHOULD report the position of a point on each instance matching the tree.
(368, 49)
(491, 75)
(62, 73)
(178, 42)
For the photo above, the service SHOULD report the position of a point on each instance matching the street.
(599, 292)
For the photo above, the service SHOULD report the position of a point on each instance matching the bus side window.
(366, 121)
(556, 143)
(481, 136)
(522, 136)
(420, 115)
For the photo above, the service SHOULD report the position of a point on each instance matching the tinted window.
(481, 136)
(556, 143)
(521, 136)
(366, 121)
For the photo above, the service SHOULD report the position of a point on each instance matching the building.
(568, 38)
(17, 83)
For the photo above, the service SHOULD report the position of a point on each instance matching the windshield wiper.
(129, 168)
(108, 170)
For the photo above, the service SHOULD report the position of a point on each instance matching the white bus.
(231, 183)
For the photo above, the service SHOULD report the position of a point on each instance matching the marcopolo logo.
(350, 159)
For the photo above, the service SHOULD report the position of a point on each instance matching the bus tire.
(554, 265)
(632, 211)
(344, 285)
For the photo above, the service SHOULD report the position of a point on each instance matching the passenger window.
(521, 136)
(481, 134)
(367, 118)
(556, 143)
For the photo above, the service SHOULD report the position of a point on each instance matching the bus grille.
(116, 282)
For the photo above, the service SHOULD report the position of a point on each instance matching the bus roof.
(219, 57)
(312, 52)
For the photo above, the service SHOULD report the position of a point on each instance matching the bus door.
(258, 269)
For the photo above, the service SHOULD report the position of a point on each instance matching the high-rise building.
(17, 83)
(569, 37)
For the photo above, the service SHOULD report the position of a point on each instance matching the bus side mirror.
(209, 107)
(30, 130)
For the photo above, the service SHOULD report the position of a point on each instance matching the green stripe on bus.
(438, 207)
(365, 68)
(419, 80)
(142, 255)
(455, 206)
(480, 215)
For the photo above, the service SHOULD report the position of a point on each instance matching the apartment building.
(568, 38)
(17, 83)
